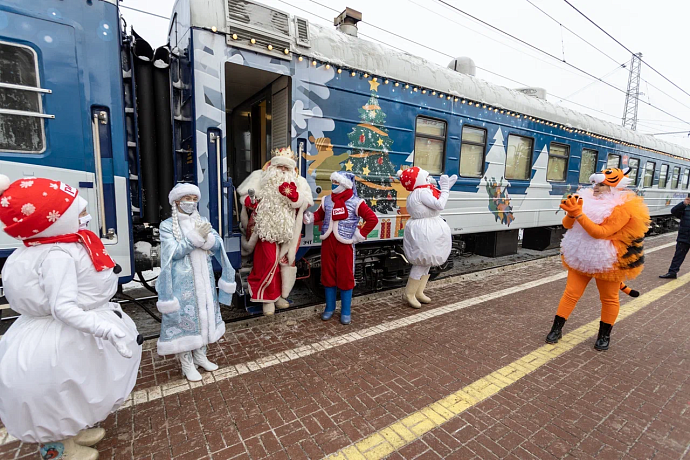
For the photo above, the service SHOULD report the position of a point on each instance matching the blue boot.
(330, 303)
(345, 306)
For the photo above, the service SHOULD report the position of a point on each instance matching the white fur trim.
(181, 345)
(81, 203)
(283, 161)
(399, 173)
(209, 243)
(181, 190)
(227, 287)
(288, 275)
(341, 179)
(421, 178)
(168, 306)
(4, 183)
(194, 238)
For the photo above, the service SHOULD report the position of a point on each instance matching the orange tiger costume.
(604, 241)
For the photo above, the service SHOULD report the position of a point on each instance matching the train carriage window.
(588, 165)
(519, 158)
(634, 165)
(675, 177)
(21, 130)
(649, 173)
(430, 144)
(472, 151)
(613, 161)
(686, 178)
(663, 175)
(557, 168)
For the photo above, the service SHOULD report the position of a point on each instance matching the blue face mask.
(334, 185)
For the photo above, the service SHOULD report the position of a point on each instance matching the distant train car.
(239, 79)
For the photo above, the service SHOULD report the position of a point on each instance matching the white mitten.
(452, 180)
(444, 183)
(358, 237)
(203, 229)
(308, 217)
(114, 335)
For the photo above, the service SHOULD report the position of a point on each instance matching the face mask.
(84, 222)
(188, 207)
(337, 188)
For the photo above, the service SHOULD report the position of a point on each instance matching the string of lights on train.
(471, 103)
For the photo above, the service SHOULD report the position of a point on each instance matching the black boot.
(556, 334)
(604, 337)
(669, 276)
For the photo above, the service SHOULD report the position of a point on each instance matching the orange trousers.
(575, 287)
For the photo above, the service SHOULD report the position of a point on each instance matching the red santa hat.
(413, 177)
(37, 207)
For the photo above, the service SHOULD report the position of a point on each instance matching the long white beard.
(275, 216)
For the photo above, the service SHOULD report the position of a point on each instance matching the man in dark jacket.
(681, 211)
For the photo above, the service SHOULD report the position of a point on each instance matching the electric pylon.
(632, 96)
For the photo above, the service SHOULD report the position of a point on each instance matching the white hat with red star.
(36, 207)
(413, 177)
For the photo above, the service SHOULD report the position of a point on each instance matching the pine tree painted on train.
(369, 159)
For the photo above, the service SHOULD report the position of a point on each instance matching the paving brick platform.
(310, 389)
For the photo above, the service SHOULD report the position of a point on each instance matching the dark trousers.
(679, 257)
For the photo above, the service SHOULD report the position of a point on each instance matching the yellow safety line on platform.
(415, 425)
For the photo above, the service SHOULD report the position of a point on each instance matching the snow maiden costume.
(427, 241)
(604, 242)
(272, 226)
(187, 287)
(72, 356)
(340, 213)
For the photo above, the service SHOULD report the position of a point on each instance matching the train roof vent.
(346, 22)
(267, 26)
(463, 65)
(539, 93)
(302, 30)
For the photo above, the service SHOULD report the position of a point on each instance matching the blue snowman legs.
(345, 305)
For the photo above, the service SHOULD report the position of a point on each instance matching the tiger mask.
(613, 177)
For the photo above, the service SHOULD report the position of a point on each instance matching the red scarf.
(93, 244)
(434, 190)
(339, 210)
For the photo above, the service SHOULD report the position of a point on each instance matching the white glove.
(308, 217)
(114, 335)
(358, 237)
(203, 229)
(447, 182)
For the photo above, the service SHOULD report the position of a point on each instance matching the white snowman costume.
(72, 356)
(427, 240)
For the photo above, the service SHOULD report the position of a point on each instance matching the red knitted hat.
(413, 177)
(29, 206)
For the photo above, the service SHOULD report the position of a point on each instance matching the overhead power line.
(625, 47)
(145, 12)
(569, 30)
(553, 57)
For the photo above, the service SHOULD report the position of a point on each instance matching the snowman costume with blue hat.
(72, 357)
(340, 213)
(186, 287)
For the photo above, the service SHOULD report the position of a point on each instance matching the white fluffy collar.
(599, 208)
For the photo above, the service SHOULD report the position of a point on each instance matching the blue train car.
(61, 109)
(263, 79)
(243, 79)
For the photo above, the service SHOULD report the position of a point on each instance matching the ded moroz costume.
(186, 285)
(72, 356)
(606, 228)
(427, 240)
(274, 200)
(340, 213)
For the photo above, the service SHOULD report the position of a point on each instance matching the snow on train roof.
(340, 49)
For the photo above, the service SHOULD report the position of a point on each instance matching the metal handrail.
(99, 170)
(23, 113)
(34, 89)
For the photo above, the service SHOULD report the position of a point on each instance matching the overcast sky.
(658, 29)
